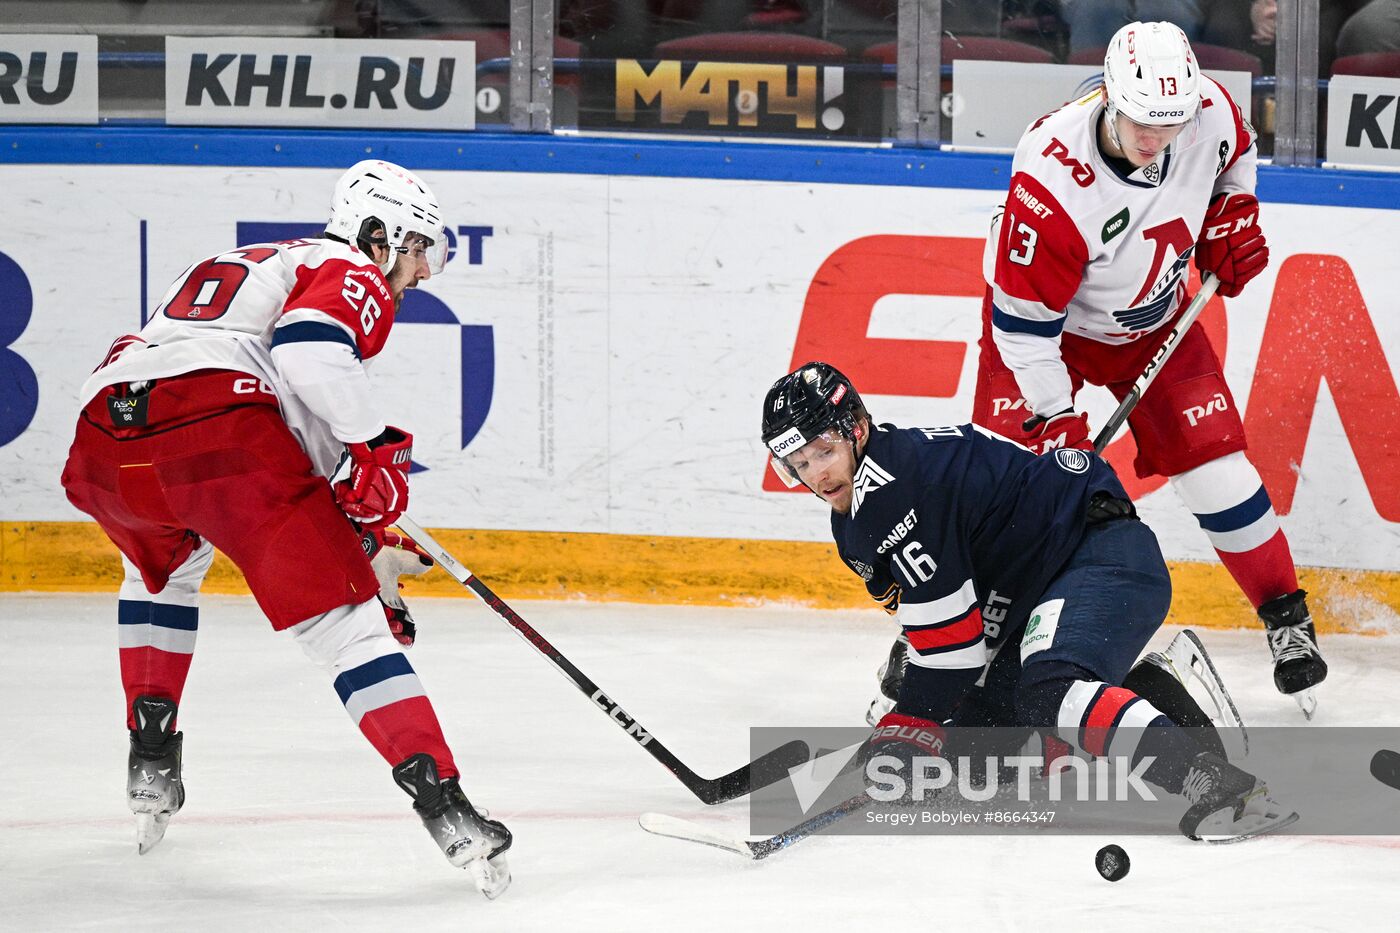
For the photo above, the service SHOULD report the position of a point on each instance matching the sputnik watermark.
(890, 779)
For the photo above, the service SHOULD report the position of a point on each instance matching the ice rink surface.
(292, 821)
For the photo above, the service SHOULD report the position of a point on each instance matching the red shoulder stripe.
(1042, 254)
(355, 295)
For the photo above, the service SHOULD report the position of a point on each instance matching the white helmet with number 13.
(1151, 76)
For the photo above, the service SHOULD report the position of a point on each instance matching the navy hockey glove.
(1062, 429)
(1231, 244)
(376, 493)
(392, 556)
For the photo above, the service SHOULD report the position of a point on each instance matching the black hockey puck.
(1385, 767)
(1112, 862)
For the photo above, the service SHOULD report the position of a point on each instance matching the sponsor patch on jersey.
(128, 412)
(1072, 460)
(868, 478)
(786, 443)
(1040, 630)
(1116, 225)
(898, 532)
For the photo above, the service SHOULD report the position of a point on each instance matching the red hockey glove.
(393, 556)
(906, 738)
(1232, 244)
(1063, 429)
(376, 493)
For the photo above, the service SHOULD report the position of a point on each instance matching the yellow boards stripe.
(76, 557)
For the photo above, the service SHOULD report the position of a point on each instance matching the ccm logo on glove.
(376, 492)
(1231, 245)
(1059, 431)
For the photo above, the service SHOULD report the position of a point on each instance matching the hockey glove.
(906, 739)
(392, 556)
(1063, 429)
(376, 492)
(1232, 244)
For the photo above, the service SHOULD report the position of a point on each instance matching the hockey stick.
(660, 824)
(1188, 317)
(761, 772)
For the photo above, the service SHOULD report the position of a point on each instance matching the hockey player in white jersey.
(221, 425)
(1110, 197)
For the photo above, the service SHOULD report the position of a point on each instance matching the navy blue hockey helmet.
(804, 404)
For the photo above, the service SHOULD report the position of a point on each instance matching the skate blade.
(1263, 827)
(150, 829)
(878, 708)
(492, 875)
(1262, 815)
(1307, 702)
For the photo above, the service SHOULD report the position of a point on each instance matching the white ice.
(292, 822)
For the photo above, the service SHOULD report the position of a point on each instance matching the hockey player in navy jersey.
(1110, 198)
(996, 554)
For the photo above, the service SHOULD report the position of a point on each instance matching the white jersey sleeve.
(302, 315)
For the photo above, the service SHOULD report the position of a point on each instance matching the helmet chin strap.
(1110, 115)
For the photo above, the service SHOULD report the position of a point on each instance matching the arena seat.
(981, 48)
(751, 47)
(1211, 57)
(1369, 64)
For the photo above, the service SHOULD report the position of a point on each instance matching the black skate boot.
(1298, 665)
(466, 837)
(891, 676)
(154, 789)
(1228, 804)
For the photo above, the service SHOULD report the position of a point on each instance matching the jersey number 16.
(916, 566)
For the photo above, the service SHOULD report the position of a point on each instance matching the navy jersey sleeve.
(878, 582)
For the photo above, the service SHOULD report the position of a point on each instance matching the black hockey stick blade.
(766, 769)
(1385, 767)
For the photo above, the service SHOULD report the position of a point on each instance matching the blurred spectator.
(1247, 25)
(1252, 26)
(1373, 28)
(1263, 21)
(1093, 22)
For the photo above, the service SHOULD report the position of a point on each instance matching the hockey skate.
(1186, 659)
(154, 789)
(466, 837)
(1228, 804)
(890, 675)
(1298, 665)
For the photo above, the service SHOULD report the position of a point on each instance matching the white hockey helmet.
(1150, 75)
(376, 195)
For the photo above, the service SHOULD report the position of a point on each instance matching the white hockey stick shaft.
(1188, 317)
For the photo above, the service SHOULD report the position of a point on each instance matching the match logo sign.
(367, 83)
(775, 99)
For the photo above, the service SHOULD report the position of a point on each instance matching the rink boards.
(584, 381)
